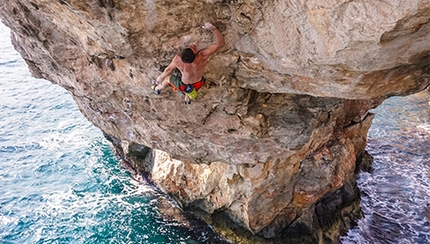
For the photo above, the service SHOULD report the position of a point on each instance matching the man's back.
(192, 72)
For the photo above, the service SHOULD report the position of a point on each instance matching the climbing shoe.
(154, 84)
(187, 100)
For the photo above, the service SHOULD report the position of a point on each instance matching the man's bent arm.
(219, 40)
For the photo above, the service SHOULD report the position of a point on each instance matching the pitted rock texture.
(283, 116)
(265, 198)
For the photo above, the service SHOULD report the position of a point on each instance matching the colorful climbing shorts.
(177, 83)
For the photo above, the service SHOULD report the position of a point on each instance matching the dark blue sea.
(61, 183)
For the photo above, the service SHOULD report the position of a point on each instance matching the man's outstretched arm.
(219, 43)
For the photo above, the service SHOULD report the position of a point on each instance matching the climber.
(191, 64)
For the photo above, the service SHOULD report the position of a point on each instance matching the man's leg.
(163, 84)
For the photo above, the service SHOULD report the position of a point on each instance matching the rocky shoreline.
(331, 217)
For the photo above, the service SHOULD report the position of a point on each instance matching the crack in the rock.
(209, 114)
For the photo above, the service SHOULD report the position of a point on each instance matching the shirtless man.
(191, 63)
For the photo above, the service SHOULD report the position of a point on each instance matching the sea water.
(60, 182)
(396, 193)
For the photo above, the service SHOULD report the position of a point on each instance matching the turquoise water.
(60, 182)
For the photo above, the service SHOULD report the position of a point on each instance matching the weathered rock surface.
(279, 126)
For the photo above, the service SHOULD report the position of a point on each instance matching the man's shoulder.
(177, 61)
(176, 57)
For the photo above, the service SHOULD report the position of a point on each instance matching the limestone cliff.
(273, 139)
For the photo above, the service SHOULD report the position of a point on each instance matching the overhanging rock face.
(281, 121)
